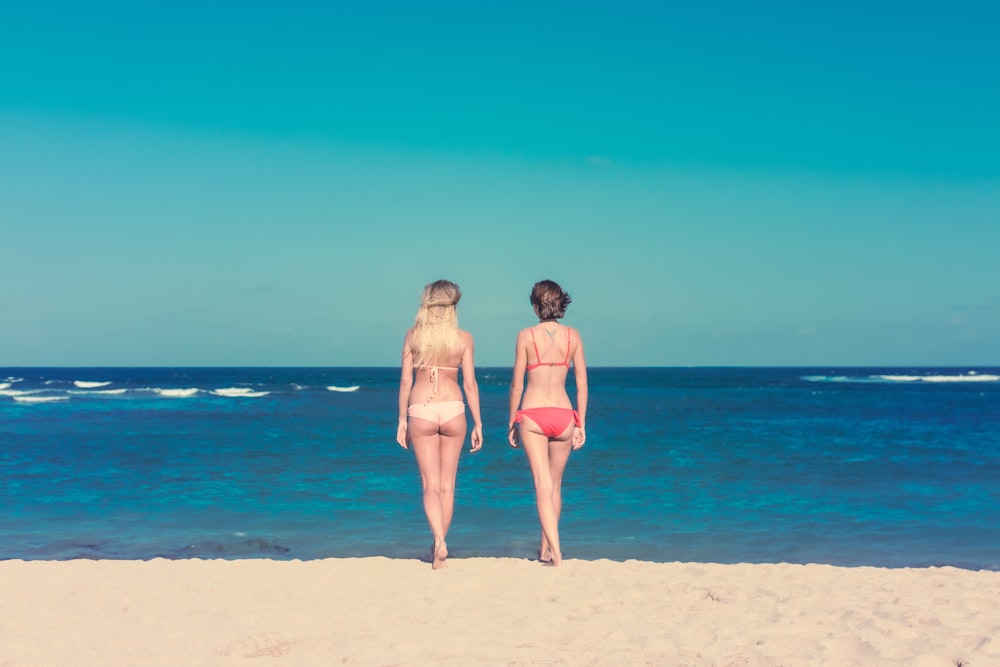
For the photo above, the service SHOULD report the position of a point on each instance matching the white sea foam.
(176, 393)
(99, 392)
(40, 399)
(239, 392)
(4, 385)
(971, 377)
(11, 378)
(830, 378)
(334, 387)
(84, 384)
(18, 392)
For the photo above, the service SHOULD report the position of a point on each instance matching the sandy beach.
(377, 611)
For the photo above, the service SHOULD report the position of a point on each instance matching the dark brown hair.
(549, 300)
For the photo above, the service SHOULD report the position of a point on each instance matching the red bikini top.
(564, 362)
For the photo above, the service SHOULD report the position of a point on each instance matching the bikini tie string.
(432, 375)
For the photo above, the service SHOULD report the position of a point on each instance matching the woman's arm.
(471, 388)
(517, 385)
(405, 385)
(582, 392)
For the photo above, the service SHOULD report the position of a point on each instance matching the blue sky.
(723, 183)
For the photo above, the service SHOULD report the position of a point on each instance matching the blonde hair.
(435, 329)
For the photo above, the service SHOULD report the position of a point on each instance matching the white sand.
(482, 611)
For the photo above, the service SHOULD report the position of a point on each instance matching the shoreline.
(459, 555)
(487, 611)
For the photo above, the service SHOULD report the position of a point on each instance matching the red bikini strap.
(538, 357)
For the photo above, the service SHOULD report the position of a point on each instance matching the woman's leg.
(547, 458)
(559, 451)
(425, 438)
(437, 449)
(453, 434)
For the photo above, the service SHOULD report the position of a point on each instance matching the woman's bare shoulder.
(466, 338)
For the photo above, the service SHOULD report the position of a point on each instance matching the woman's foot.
(555, 559)
(439, 556)
(544, 555)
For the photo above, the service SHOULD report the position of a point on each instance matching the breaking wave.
(176, 393)
(971, 376)
(239, 392)
(40, 399)
(99, 392)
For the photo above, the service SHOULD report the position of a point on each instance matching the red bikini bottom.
(552, 421)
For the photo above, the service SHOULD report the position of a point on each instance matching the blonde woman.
(542, 418)
(431, 409)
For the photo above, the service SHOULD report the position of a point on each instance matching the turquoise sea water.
(848, 466)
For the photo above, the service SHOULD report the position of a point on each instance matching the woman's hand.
(477, 438)
(513, 437)
(579, 437)
(401, 435)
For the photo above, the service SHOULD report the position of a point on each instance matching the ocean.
(886, 467)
